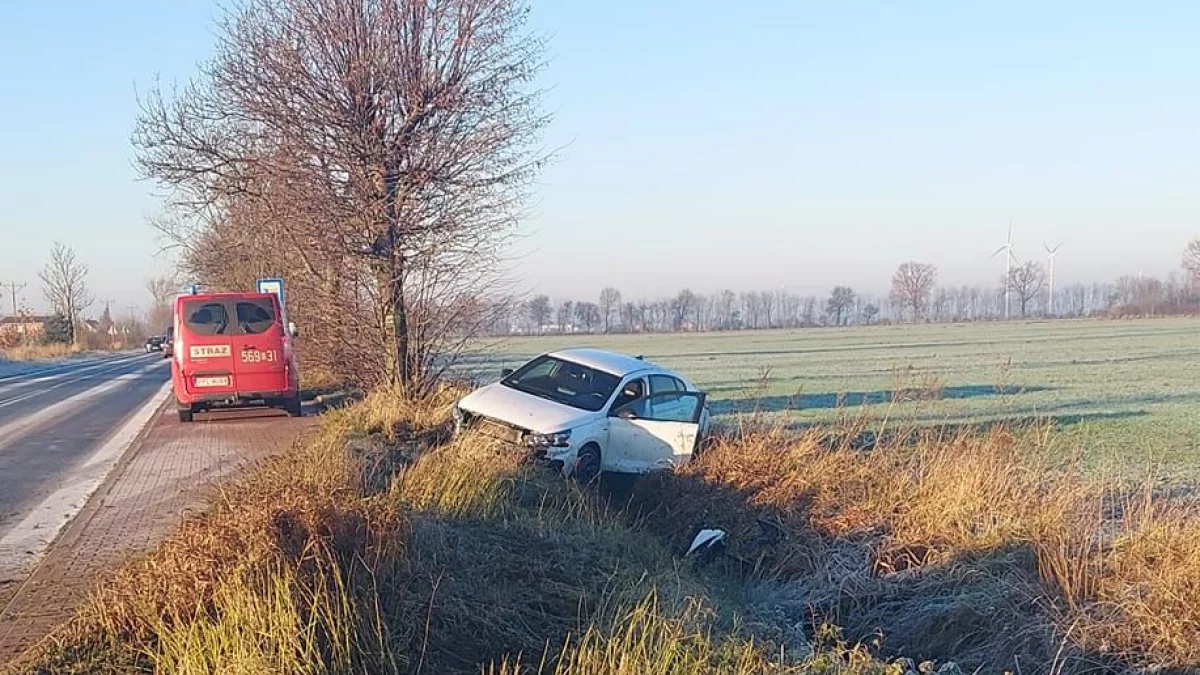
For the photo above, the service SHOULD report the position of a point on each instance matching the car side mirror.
(627, 414)
(505, 372)
(292, 329)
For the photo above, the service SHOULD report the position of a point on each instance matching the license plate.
(222, 381)
(499, 431)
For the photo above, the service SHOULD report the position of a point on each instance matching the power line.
(15, 288)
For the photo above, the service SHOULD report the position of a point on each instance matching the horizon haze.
(700, 146)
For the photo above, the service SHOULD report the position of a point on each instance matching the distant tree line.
(1026, 291)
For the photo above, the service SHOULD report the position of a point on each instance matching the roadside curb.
(70, 527)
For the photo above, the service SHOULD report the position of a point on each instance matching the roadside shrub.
(57, 330)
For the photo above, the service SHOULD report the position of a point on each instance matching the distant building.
(23, 326)
(95, 326)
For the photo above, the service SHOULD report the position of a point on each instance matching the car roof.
(609, 362)
(224, 296)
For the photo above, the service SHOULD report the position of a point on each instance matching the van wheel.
(587, 466)
(293, 406)
(185, 415)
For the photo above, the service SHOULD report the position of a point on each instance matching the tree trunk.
(402, 372)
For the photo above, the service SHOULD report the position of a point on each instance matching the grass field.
(1123, 393)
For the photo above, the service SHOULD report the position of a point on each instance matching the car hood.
(523, 410)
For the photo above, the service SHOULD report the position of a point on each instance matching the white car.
(590, 411)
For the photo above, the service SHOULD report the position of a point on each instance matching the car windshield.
(565, 382)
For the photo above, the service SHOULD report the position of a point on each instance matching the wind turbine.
(1051, 251)
(1009, 259)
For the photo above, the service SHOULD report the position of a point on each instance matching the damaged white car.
(591, 411)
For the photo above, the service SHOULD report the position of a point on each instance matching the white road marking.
(39, 377)
(13, 430)
(92, 373)
(25, 543)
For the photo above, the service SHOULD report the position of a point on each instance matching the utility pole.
(14, 288)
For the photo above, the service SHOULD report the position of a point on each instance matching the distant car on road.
(233, 350)
(168, 344)
(154, 343)
(590, 411)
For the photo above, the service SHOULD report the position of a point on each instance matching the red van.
(233, 349)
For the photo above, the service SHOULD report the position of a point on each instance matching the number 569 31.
(257, 356)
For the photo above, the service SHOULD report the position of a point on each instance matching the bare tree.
(911, 285)
(565, 315)
(724, 309)
(162, 290)
(1191, 260)
(588, 314)
(682, 307)
(540, 312)
(1025, 281)
(381, 148)
(840, 300)
(629, 316)
(64, 284)
(869, 312)
(610, 301)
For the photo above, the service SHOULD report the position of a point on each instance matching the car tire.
(185, 415)
(293, 406)
(587, 465)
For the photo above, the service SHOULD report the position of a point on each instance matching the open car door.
(656, 432)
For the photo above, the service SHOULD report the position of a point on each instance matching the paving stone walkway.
(170, 471)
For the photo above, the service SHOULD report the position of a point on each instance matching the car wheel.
(185, 415)
(587, 465)
(293, 406)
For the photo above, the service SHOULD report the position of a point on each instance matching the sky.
(706, 144)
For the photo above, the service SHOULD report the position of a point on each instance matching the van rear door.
(207, 346)
(258, 351)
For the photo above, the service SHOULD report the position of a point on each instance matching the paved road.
(166, 470)
(63, 426)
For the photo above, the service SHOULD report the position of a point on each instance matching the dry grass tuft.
(352, 554)
(381, 546)
(38, 352)
(971, 546)
(299, 526)
(646, 640)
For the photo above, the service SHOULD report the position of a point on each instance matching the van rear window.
(255, 315)
(206, 318)
(249, 316)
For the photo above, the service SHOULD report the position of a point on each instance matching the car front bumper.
(558, 458)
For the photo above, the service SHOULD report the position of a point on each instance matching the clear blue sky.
(709, 144)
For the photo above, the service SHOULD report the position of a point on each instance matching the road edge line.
(57, 512)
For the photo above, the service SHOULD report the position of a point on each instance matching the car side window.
(665, 384)
(632, 393)
(675, 407)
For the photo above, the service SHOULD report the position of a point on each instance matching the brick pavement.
(169, 472)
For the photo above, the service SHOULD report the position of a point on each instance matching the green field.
(1120, 392)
